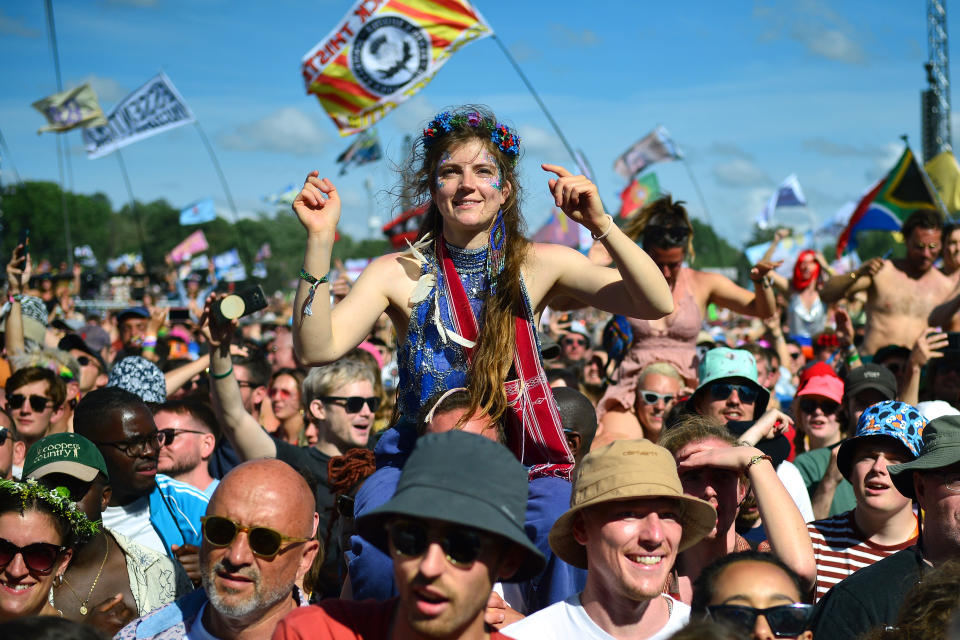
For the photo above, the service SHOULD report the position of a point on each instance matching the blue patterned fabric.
(426, 363)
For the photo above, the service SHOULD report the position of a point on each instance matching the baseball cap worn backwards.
(67, 453)
(463, 479)
(628, 470)
(941, 448)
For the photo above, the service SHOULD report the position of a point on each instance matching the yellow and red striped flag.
(383, 52)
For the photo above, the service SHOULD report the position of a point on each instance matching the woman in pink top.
(667, 236)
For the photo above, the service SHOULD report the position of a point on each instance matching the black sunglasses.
(39, 556)
(353, 404)
(264, 541)
(809, 405)
(84, 361)
(785, 621)
(461, 545)
(37, 403)
(652, 397)
(722, 391)
(660, 235)
(4, 434)
(169, 435)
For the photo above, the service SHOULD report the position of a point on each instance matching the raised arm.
(242, 430)
(843, 285)
(726, 293)
(18, 273)
(636, 288)
(319, 335)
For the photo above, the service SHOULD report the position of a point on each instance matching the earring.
(495, 253)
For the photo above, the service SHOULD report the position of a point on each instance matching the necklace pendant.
(83, 610)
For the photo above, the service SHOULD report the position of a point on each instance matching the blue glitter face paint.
(444, 158)
(492, 180)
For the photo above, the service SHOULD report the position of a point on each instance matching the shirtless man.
(900, 293)
(946, 315)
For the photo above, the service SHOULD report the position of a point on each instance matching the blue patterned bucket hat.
(736, 365)
(891, 419)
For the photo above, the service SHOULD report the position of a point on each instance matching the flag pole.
(133, 207)
(52, 34)
(703, 203)
(536, 97)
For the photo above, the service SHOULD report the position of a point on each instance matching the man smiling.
(628, 520)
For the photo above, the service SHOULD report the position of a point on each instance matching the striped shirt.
(840, 549)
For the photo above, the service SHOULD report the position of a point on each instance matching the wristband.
(150, 341)
(755, 459)
(221, 376)
(15, 297)
(605, 233)
(314, 283)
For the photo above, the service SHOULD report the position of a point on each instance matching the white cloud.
(108, 90)
(571, 38)
(728, 149)
(15, 27)
(831, 44)
(814, 24)
(740, 172)
(523, 52)
(287, 130)
(413, 114)
(542, 143)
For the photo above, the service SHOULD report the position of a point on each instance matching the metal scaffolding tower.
(935, 101)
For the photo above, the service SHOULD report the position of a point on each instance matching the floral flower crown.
(501, 135)
(59, 502)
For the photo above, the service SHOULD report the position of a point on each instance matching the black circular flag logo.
(388, 53)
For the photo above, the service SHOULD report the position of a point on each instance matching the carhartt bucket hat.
(464, 479)
(627, 470)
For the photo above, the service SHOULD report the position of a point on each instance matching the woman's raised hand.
(578, 197)
(318, 204)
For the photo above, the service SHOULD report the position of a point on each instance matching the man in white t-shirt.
(628, 520)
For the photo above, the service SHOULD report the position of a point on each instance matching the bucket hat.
(67, 453)
(827, 386)
(735, 365)
(140, 376)
(941, 448)
(888, 419)
(463, 479)
(627, 470)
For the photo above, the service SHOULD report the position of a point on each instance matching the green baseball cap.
(66, 453)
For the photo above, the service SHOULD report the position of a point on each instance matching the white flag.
(153, 108)
(657, 146)
(788, 194)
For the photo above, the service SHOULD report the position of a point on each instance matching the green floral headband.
(58, 500)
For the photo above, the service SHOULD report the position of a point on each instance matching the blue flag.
(199, 212)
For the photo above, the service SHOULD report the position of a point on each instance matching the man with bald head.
(258, 543)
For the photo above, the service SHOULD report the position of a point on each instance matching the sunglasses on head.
(652, 397)
(785, 621)
(722, 391)
(353, 404)
(37, 403)
(660, 235)
(264, 541)
(39, 556)
(809, 405)
(461, 545)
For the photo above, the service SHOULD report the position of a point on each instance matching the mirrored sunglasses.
(263, 541)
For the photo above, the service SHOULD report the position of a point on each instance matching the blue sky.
(751, 91)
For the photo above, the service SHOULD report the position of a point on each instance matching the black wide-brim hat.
(463, 479)
(941, 448)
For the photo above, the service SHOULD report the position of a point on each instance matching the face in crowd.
(923, 248)
(870, 478)
(31, 556)
(729, 400)
(722, 488)
(468, 189)
(348, 413)
(257, 540)
(33, 410)
(656, 396)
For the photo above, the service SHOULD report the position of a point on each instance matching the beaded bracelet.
(314, 283)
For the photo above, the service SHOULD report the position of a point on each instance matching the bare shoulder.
(393, 274)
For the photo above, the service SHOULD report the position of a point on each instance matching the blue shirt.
(175, 511)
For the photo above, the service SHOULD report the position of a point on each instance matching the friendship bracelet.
(15, 297)
(314, 283)
(605, 233)
(755, 459)
(221, 376)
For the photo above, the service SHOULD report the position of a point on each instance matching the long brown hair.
(493, 354)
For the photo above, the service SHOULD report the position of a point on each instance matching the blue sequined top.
(426, 364)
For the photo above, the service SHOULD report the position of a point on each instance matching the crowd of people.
(483, 437)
